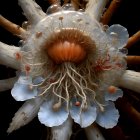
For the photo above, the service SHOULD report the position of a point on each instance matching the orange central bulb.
(66, 52)
(69, 45)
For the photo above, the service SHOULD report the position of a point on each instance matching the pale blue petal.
(22, 91)
(38, 80)
(113, 96)
(109, 117)
(86, 117)
(49, 117)
(119, 35)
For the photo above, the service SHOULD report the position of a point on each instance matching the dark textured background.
(127, 15)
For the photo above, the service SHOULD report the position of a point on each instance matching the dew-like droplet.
(53, 8)
(124, 51)
(81, 10)
(105, 27)
(20, 43)
(68, 6)
(118, 35)
(25, 25)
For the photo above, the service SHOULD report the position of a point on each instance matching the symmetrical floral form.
(73, 64)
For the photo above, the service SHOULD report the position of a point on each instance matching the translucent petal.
(49, 117)
(23, 79)
(68, 6)
(113, 96)
(119, 35)
(22, 90)
(86, 117)
(109, 117)
(38, 80)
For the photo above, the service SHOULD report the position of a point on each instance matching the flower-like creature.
(73, 65)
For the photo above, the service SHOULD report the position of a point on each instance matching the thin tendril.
(67, 93)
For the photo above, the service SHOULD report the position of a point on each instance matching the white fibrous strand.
(68, 80)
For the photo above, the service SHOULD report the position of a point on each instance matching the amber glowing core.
(66, 52)
(69, 45)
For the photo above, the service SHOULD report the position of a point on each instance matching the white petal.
(22, 91)
(86, 117)
(49, 117)
(113, 96)
(109, 117)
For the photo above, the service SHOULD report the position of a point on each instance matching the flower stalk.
(110, 11)
(62, 132)
(133, 39)
(129, 110)
(130, 80)
(7, 55)
(32, 11)
(11, 27)
(93, 133)
(95, 8)
(133, 60)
